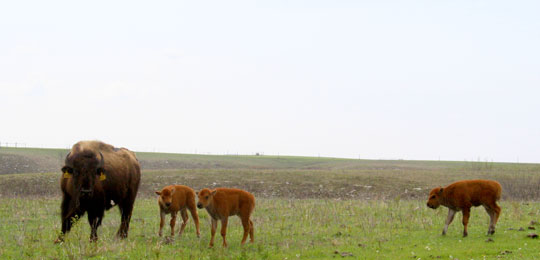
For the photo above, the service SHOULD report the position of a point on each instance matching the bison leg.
(224, 222)
(173, 222)
(194, 215)
(125, 210)
(94, 219)
(68, 217)
(449, 219)
(466, 214)
(161, 222)
(213, 231)
(185, 218)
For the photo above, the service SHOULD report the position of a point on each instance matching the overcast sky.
(448, 80)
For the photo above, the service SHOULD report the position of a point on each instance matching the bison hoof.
(491, 232)
(59, 240)
(121, 235)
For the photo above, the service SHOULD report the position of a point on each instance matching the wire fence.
(12, 144)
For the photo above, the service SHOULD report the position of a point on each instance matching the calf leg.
(194, 215)
(491, 214)
(466, 214)
(161, 222)
(247, 228)
(224, 221)
(173, 222)
(213, 226)
(494, 211)
(449, 218)
(185, 219)
(497, 210)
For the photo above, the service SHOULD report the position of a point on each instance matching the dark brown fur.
(174, 198)
(84, 192)
(222, 203)
(462, 195)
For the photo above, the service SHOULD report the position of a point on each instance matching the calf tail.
(498, 192)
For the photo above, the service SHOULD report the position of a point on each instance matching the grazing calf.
(462, 195)
(174, 198)
(222, 203)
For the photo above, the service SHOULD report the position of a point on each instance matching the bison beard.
(96, 174)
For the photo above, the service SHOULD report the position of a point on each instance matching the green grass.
(307, 208)
(284, 229)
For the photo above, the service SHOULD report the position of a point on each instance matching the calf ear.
(172, 191)
(440, 191)
(158, 192)
(214, 192)
(197, 193)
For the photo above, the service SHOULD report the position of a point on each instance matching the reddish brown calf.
(176, 198)
(462, 195)
(222, 203)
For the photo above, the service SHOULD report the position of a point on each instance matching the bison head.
(434, 200)
(165, 196)
(85, 168)
(205, 197)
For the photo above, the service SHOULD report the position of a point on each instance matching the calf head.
(85, 168)
(434, 200)
(205, 197)
(165, 196)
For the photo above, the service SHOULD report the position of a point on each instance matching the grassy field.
(306, 208)
(284, 229)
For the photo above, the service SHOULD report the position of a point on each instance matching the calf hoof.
(444, 233)
(465, 234)
(491, 232)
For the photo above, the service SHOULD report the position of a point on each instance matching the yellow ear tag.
(102, 176)
(67, 175)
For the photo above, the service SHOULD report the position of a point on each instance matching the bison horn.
(66, 161)
(101, 161)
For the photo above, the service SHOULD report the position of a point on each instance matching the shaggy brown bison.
(174, 198)
(462, 195)
(222, 203)
(97, 176)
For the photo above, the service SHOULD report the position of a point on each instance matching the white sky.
(455, 80)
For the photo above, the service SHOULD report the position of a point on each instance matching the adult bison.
(462, 195)
(97, 176)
